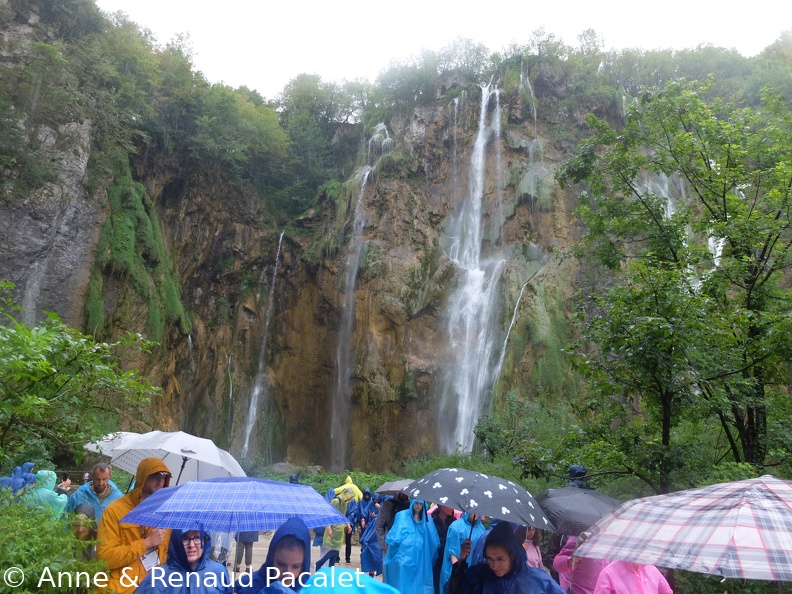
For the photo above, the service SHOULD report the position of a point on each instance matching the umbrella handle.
(184, 461)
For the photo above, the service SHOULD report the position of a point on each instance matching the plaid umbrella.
(573, 510)
(741, 529)
(235, 504)
(480, 494)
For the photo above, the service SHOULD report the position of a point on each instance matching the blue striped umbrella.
(233, 504)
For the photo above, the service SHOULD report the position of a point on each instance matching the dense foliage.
(59, 388)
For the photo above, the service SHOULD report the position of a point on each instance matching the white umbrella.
(188, 457)
(106, 444)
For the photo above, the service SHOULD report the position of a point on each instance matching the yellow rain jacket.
(122, 545)
(348, 483)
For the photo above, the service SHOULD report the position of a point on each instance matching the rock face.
(224, 249)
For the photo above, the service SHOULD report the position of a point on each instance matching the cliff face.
(222, 250)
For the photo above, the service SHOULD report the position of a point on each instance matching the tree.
(690, 202)
(60, 388)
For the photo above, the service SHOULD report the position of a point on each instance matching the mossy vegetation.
(131, 249)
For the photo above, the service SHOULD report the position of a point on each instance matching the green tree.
(59, 387)
(690, 200)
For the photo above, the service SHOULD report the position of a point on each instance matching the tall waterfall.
(474, 309)
(342, 402)
(230, 416)
(260, 384)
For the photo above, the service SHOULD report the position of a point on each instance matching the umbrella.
(573, 510)
(394, 487)
(236, 504)
(741, 529)
(480, 494)
(188, 457)
(106, 444)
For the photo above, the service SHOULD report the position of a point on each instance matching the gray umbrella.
(480, 494)
(394, 487)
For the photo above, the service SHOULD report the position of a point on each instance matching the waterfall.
(525, 85)
(474, 308)
(260, 384)
(342, 403)
(190, 352)
(230, 416)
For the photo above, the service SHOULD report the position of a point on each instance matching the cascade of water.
(342, 404)
(525, 85)
(473, 308)
(260, 384)
(190, 352)
(230, 416)
(379, 144)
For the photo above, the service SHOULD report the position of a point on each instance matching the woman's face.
(82, 527)
(499, 559)
(289, 563)
(193, 546)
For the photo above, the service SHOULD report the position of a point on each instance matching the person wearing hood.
(319, 532)
(370, 551)
(468, 527)
(288, 561)
(99, 492)
(577, 575)
(83, 522)
(334, 534)
(413, 549)
(352, 514)
(188, 570)
(624, 577)
(348, 484)
(129, 550)
(504, 569)
(43, 493)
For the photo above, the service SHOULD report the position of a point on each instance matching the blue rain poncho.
(480, 579)
(259, 585)
(412, 551)
(370, 550)
(458, 531)
(177, 577)
(21, 478)
(43, 493)
(85, 494)
(340, 580)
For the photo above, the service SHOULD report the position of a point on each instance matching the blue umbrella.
(233, 504)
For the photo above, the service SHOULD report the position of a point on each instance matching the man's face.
(153, 483)
(101, 480)
(289, 561)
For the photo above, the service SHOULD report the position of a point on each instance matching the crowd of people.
(411, 547)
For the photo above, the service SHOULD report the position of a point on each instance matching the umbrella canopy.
(741, 529)
(188, 457)
(573, 510)
(480, 494)
(393, 487)
(236, 504)
(106, 444)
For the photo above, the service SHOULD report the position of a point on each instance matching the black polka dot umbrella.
(481, 494)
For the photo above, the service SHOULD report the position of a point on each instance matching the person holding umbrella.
(188, 568)
(287, 564)
(468, 527)
(504, 569)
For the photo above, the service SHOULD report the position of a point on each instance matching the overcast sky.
(264, 44)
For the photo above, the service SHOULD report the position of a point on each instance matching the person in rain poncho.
(288, 561)
(623, 577)
(339, 580)
(334, 534)
(100, 492)
(348, 484)
(128, 548)
(413, 548)
(577, 575)
(21, 479)
(188, 570)
(370, 551)
(43, 493)
(469, 526)
(504, 569)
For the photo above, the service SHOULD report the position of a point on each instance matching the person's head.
(84, 522)
(499, 559)
(473, 518)
(193, 543)
(402, 497)
(347, 494)
(529, 533)
(65, 477)
(289, 559)
(294, 478)
(417, 509)
(366, 493)
(100, 477)
(503, 552)
(151, 476)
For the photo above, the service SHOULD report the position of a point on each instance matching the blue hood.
(292, 527)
